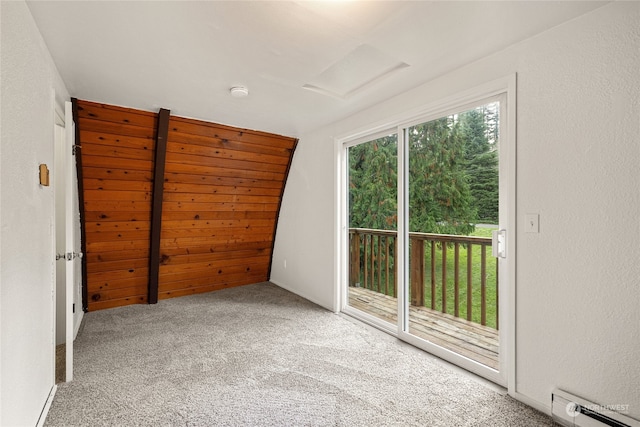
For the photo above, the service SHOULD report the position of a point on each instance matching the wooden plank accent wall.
(222, 193)
(221, 196)
(117, 161)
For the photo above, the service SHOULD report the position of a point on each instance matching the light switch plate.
(532, 223)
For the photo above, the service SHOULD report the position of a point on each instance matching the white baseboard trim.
(301, 294)
(545, 408)
(47, 406)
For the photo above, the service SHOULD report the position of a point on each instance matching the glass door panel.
(372, 223)
(452, 285)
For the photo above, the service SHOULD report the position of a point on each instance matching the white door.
(59, 183)
(452, 207)
(67, 253)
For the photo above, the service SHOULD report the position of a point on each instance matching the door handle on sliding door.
(499, 243)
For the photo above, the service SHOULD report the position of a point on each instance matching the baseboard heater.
(573, 411)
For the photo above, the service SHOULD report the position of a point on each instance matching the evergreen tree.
(373, 184)
(439, 196)
(453, 175)
(481, 161)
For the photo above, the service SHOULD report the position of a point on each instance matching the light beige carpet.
(261, 356)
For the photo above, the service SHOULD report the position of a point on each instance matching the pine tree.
(481, 160)
(373, 184)
(453, 176)
(439, 196)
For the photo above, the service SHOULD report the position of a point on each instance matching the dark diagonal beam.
(156, 208)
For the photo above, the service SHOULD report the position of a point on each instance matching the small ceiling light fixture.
(239, 91)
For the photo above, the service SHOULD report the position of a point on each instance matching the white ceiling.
(184, 56)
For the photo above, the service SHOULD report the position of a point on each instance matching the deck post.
(417, 272)
(355, 259)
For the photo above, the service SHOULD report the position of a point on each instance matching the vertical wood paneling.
(117, 165)
(222, 193)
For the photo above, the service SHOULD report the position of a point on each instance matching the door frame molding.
(83, 229)
(506, 87)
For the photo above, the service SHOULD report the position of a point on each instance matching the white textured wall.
(581, 173)
(578, 151)
(28, 78)
(304, 237)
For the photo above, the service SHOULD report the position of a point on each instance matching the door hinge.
(69, 256)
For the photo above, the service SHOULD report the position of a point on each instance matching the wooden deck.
(477, 342)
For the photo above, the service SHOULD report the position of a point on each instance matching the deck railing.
(449, 273)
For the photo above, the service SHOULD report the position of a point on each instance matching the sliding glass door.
(453, 208)
(372, 189)
(427, 205)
